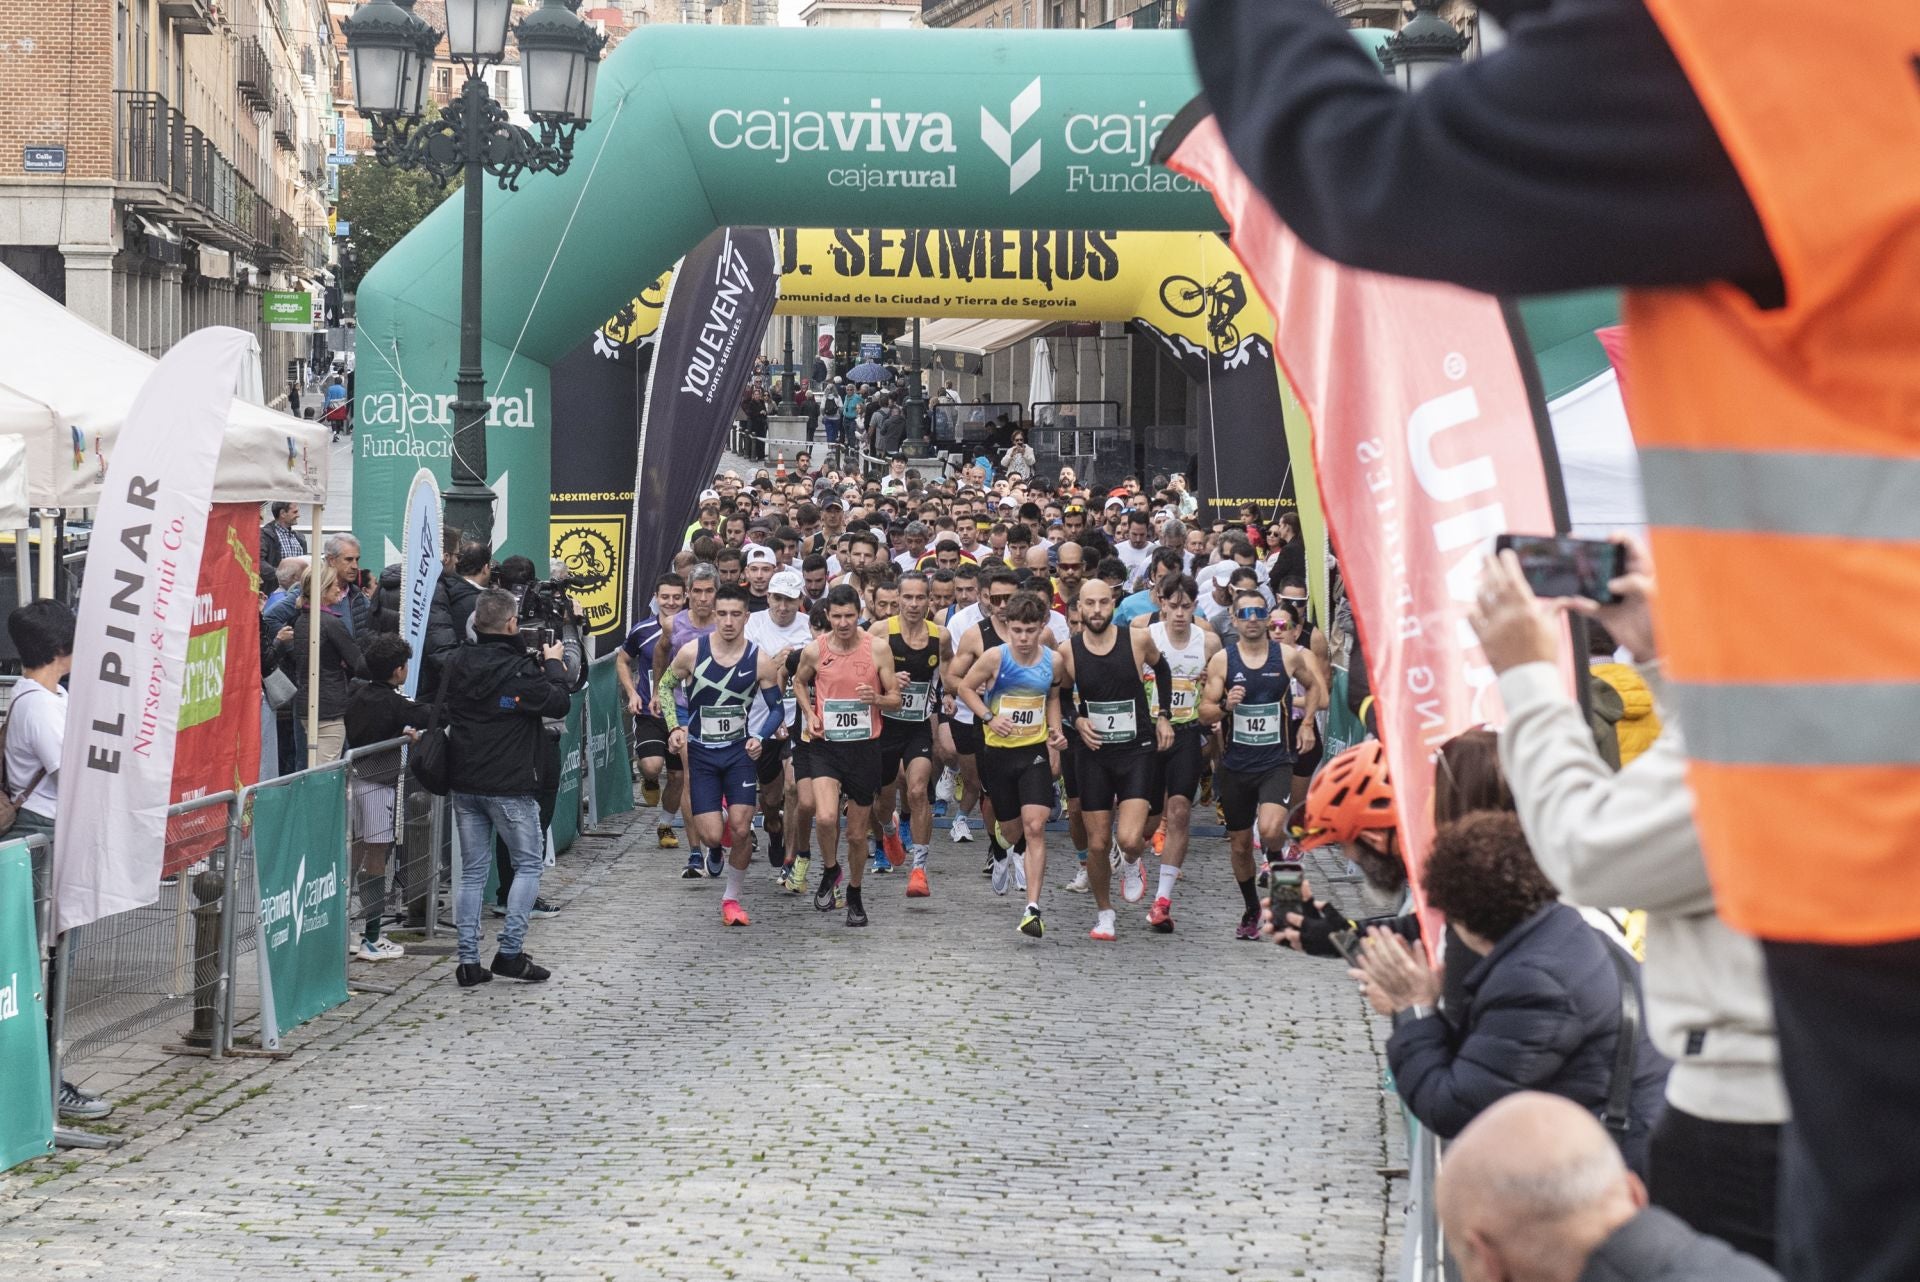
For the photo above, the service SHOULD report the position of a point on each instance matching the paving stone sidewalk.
(934, 1097)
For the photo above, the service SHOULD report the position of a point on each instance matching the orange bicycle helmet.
(1350, 795)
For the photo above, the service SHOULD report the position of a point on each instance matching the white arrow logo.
(999, 138)
(299, 887)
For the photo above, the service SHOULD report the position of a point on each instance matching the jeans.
(517, 820)
(1849, 1022)
(1722, 1178)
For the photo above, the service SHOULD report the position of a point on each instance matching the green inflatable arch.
(696, 128)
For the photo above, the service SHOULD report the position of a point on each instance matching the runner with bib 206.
(1117, 742)
(845, 679)
(724, 735)
(920, 652)
(1247, 695)
(1014, 692)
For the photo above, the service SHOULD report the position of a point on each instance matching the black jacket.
(497, 696)
(1542, 1014)
(1583, 131)
(376, 712)
(1657, 1246)
(270, 557)
(386, 600)
(461, 595)
(340, 662)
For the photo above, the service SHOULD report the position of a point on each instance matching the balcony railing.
(156, 148)
(282, 241)
(1158, 14)
(284, 128)
(255, 76)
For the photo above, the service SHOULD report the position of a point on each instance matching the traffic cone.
(780, 466)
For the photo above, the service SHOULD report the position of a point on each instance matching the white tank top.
(1188, 665)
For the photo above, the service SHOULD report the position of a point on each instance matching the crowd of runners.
(854, 659)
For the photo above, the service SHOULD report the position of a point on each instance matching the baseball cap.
(709, 496)
(1116, 502)
(786, 583)
(760, 554)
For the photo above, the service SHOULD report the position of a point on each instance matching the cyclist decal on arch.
(1222, 301)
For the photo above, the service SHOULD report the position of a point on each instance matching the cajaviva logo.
(1000, 138)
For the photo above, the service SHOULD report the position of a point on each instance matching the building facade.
(163, 162)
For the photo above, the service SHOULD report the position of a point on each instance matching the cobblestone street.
(934, 1097)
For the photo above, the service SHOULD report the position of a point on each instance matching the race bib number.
(848, 719)
(1186, 699)
(916, 701)
(1113, 722)
(723, 725)
(1257, 725)
(1027, 712)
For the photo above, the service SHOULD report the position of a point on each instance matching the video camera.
(548, 615)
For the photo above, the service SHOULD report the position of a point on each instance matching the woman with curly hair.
(1542, 1007)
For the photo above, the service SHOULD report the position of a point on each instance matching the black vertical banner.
(599, 393)
(1243, 444)
(717, 307)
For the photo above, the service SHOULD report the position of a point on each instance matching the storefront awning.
(974, 337)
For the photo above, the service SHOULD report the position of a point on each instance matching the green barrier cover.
(1343, 728)
(26, 1105)
(608, 758)
(300, 858)
(566, 807)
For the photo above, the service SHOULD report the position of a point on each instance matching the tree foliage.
(381, 204)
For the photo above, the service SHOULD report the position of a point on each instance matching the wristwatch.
(1409, 1014)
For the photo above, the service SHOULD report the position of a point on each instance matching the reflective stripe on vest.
(1781, 458)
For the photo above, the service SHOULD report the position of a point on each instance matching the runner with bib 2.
(1247, 695)
(1118, 742)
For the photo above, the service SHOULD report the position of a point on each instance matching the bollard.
(210, 889)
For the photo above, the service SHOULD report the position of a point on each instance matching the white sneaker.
(961, 830)
(1078, 886)
(1003, 875)
(379, 950)
(1019, 863)
(1102, 927)
(1133, 881)
(943, 787)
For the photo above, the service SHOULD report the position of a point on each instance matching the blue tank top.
(718, 698)
(1256, 731)
(1019, 690)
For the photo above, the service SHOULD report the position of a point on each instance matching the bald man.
(1534, 1190)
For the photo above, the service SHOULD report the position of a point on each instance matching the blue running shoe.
(716, 861)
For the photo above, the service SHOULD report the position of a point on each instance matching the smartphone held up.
(1558, 566)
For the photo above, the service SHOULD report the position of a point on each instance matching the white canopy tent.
(66, 387)
(978, 337)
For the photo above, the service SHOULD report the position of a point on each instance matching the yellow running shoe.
(650, 792)
(669, 839)
(797, 875)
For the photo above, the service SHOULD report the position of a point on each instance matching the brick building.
(164, 161)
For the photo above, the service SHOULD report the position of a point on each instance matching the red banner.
(218, 747)
(1425, 446)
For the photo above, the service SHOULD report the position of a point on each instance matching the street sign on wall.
(287, 310)
(44, 160)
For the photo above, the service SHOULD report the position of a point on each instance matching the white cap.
(787, 583)
(760, 554)
(709, 496)
(1116, 501)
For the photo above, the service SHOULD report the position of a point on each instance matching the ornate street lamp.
(392, 51)
(1422, 49)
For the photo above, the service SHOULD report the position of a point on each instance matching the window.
(500, 92)
(989, 22)
(444, 83)
(1026, 13)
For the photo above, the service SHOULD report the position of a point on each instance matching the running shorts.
(968, 739)
(1108, 778)
(901, 742)
(1070, 769)
(854, 763)
(773, 752)
(1241, 794)
(721, 775)
(1304, 764)
(1016, 777)
(650, 740)
(802, 760)
(1179, 768)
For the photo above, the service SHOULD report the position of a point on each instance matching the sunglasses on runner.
(1251, 612)
(999, 598)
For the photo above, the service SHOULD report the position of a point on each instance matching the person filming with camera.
(499, 693)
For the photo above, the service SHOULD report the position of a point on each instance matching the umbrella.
(869, 372)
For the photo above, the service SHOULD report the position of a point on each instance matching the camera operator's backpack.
(10, 801)
(430, 760)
